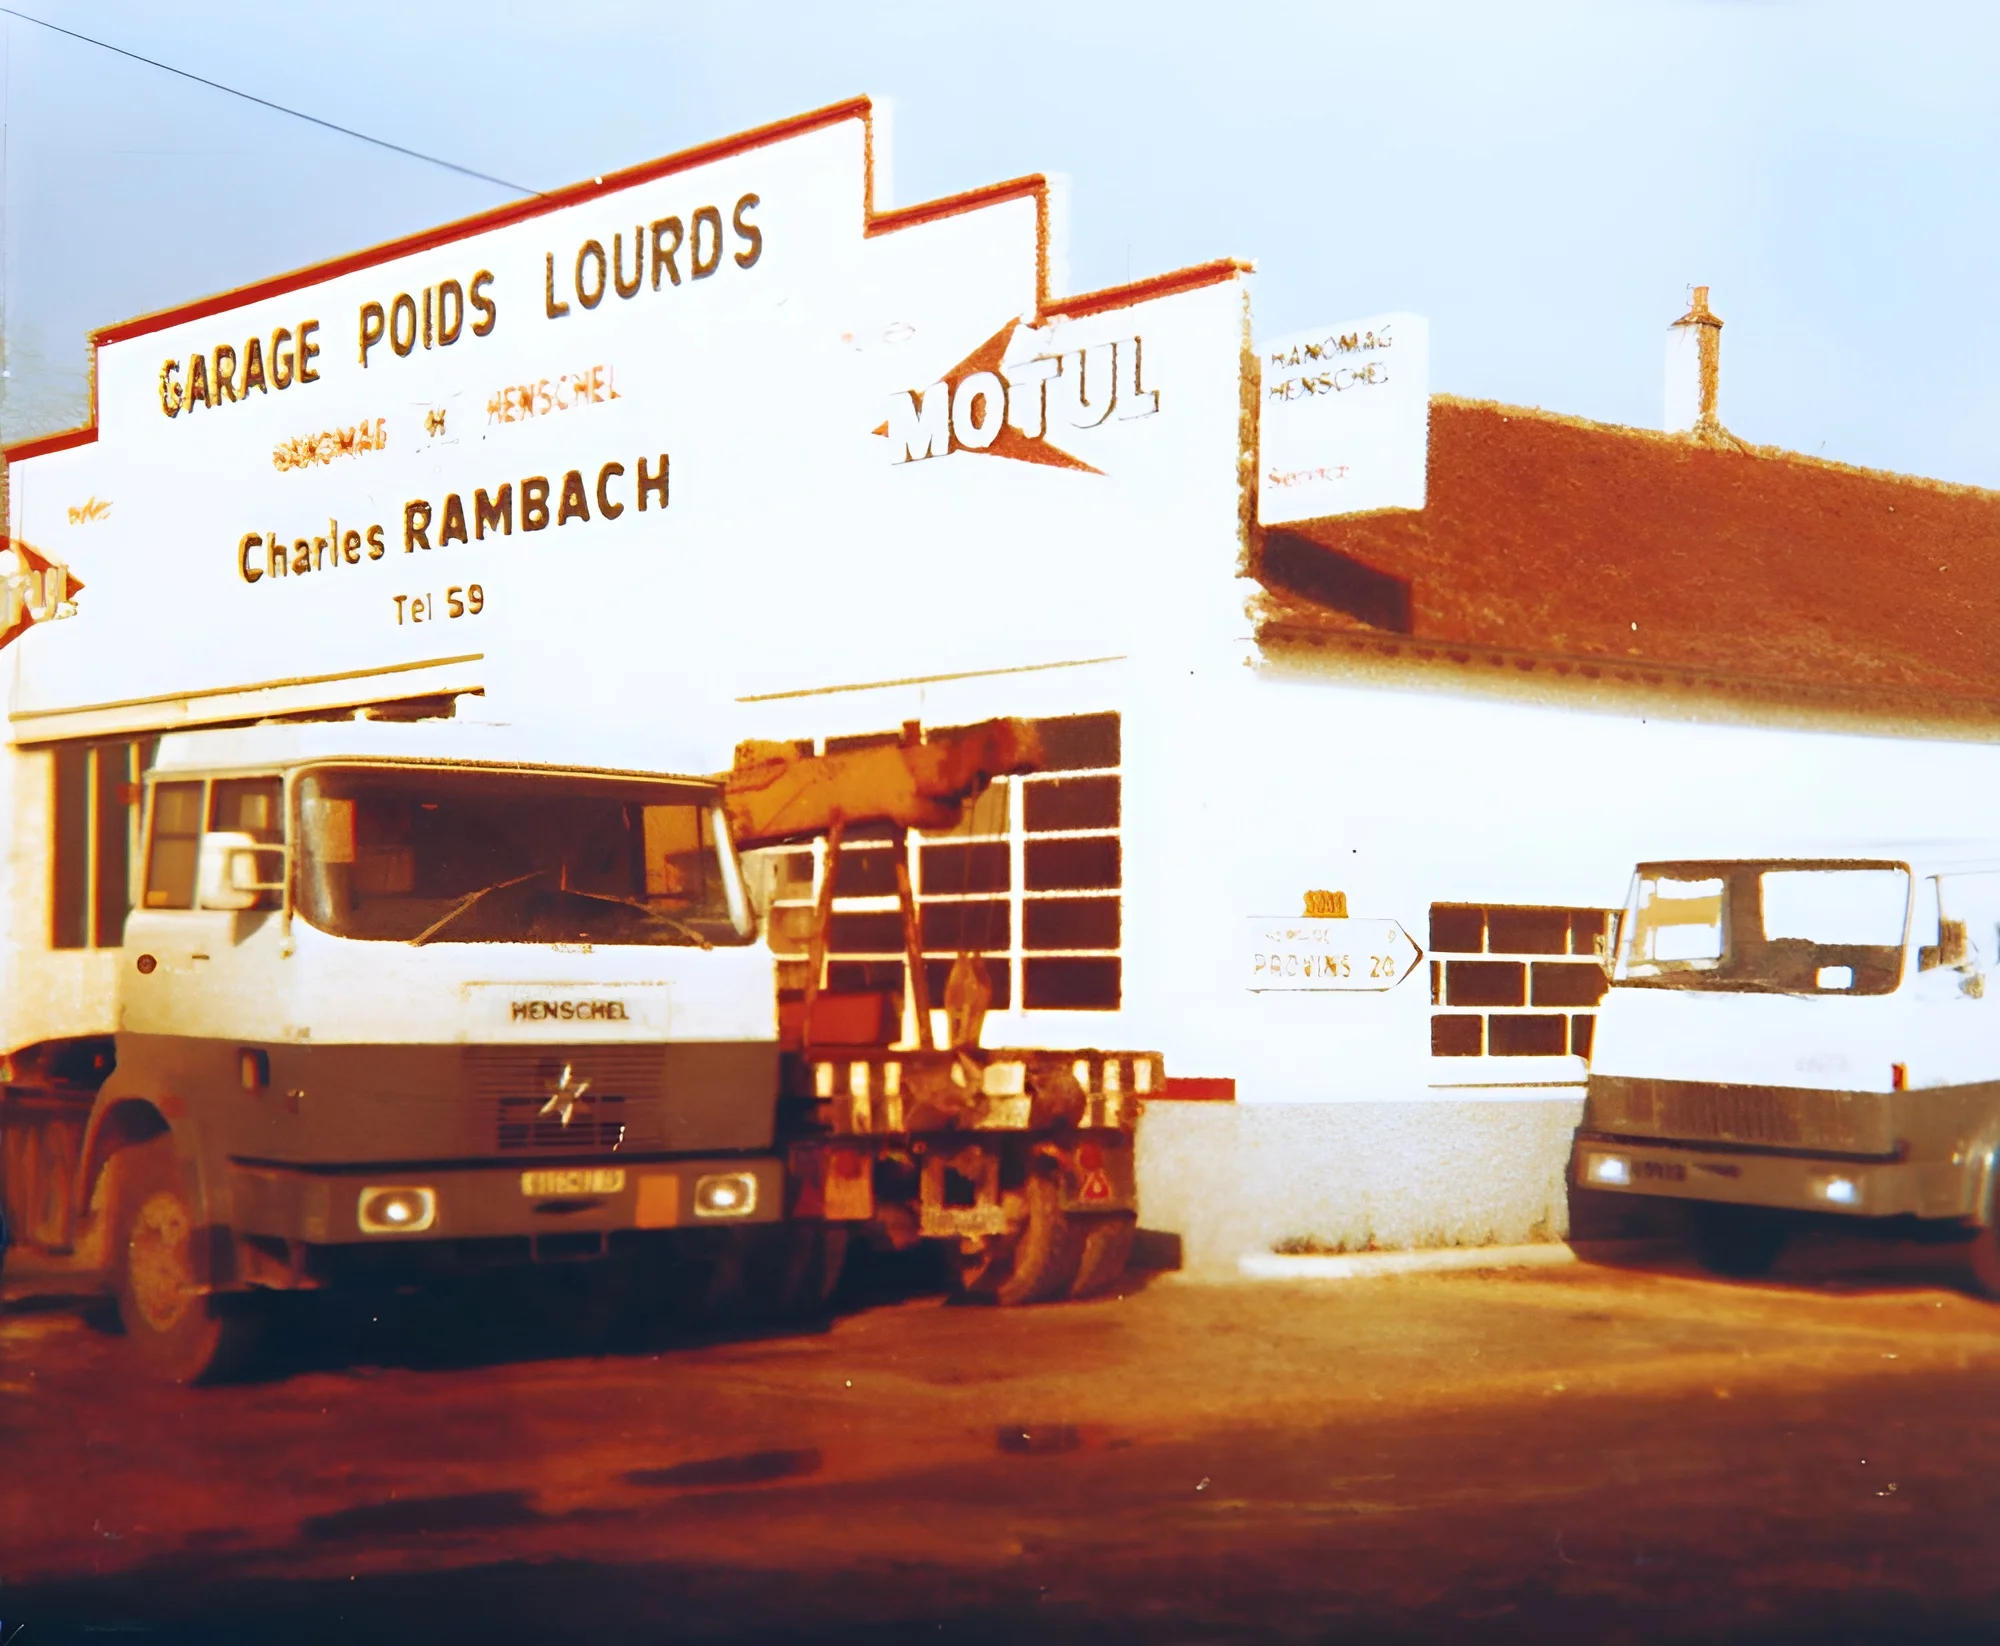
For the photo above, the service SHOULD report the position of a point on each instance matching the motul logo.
(1016, 408)
(35, 589)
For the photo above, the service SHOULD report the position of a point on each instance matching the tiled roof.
(1621, 553)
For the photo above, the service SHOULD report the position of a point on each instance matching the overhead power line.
(265, 102)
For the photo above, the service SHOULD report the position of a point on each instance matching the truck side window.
(252, 806)
(249, 805)
(176, 839)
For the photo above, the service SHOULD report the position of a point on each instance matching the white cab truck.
(1807, 1035)
(396, 998)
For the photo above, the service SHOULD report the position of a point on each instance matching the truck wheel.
(1107, 1249)
(816, 1254)
(1982, 1256)
(706, 1278)
(1035, 1265)
(1739, 1241)
(177, 1331)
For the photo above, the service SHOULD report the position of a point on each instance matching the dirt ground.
(1620, 1451)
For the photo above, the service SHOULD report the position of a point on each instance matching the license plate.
(579, 1180)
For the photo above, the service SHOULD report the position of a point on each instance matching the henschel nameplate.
(566, 1011)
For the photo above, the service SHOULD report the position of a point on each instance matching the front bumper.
(349, 1206)
(1804, 1183)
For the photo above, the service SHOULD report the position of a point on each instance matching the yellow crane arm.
(774, 793)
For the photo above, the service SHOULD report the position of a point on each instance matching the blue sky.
(1543, 180)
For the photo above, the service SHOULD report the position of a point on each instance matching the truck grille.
(591, 1125)
(1776, 1117)
(621, 1102)
(1739, 1114)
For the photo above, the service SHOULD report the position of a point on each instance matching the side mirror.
(1606, 943)
(228, 874)
(1951, 948)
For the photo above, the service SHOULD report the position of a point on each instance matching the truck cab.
(1804, 1035)
(401, 998)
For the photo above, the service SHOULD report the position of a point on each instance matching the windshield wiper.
(646, 909)
(466, 902)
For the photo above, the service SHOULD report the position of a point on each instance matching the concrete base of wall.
(1234, 1179)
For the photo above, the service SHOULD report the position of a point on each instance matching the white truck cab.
(404, 989)
(1809, 1034)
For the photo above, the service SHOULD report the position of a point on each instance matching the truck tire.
(1035, 1265)
(1739, 1241)
(177, 1331)
(817, 1252)
(1982, 1255)
(1107, 1249)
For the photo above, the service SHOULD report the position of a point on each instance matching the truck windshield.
(436, 855)
(1770, 927)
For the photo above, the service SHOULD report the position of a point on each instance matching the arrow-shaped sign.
(1315, 952)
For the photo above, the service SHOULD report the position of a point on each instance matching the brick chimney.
(1694, 360)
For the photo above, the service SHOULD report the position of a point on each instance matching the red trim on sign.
(515, 211)
(1199, 1089)
(43, 444)
(1148, 290)
(518, 211)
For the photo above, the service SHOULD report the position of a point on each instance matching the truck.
(1019, 1163)
(396, 999)
(405, 997)
(1808, 1037)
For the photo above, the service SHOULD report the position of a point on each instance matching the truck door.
(207, 934)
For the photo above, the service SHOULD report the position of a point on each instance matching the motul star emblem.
(1004, 400)
(567, 1097)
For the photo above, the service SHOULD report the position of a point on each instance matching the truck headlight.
(396, 1210)
(1840, 1191)
(725, 1194)
(1608, 1168)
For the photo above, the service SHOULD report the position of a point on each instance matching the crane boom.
(775, 794)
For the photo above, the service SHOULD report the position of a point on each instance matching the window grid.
(1019, 966)
(1510, 980)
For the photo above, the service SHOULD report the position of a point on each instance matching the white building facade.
(727, 447)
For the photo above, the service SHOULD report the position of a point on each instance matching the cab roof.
(276, 745)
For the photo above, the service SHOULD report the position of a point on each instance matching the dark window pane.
(1072, 865)
(1486, 983)
(1458, 928)
(1078, 742)
(1456, 1036)
(114, 843)
(985, 925)
(71, 867)
(1437, 982)
(1527, 1036)
(980, 867)
(985, 816)
(1568, 983)
(249, 805)
(869, 871)
(866, 934)
(170, 859)
(789, 931)
(1527, 931)
(1070, 803)
(1071, 985)
(1580, 1027)
(792, 874)
(998, 973)
(866, 976)
(1070, 923)
(1586, 926)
